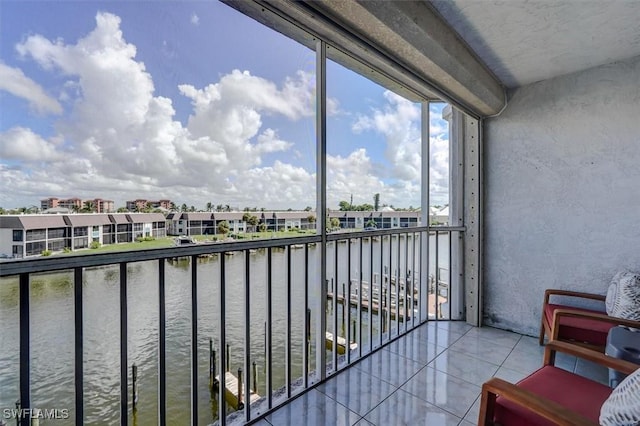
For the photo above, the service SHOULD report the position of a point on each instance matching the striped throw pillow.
(622, 408)
(623, 296)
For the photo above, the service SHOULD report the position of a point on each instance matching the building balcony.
(82, 324)
(184, 317)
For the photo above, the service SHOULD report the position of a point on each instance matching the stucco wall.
(562, 191)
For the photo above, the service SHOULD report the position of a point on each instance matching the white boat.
(183, 241)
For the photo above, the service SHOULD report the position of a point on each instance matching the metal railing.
(380, 285)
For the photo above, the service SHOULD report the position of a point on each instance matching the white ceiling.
(524, 41)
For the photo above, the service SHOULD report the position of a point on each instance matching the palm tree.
(209, 206)
(184, 207)
(89, 206)
(253, 221)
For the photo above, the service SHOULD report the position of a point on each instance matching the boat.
(183, 241)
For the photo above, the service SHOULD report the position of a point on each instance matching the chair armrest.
(558, 292)
(621, 365)
(550, 410)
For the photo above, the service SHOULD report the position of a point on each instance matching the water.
(52, 320)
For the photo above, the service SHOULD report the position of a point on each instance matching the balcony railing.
(257, 312)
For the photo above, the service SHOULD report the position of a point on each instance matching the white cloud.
(24, 145)
(120, 140)
(351, 175)
(195, 20)
(15, 82)
(120, 137)
(399, 122)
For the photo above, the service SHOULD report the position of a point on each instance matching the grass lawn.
(168, 242)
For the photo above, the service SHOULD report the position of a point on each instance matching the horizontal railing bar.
(48, 264)
(342, 235)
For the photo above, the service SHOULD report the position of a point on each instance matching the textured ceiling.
(525, 41)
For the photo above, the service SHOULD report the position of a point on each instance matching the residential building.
(30, 235)
(141, 204)
(103, 206)
(48, 203)
(205, 223)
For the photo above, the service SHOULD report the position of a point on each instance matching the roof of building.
(228, 215)
(35, 221)
(197, 216)
(89, 219)
(291, 215)
(145, 217)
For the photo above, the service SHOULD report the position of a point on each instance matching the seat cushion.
(576, 393)
(580, 329)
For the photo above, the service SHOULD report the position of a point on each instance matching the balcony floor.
(430, 376)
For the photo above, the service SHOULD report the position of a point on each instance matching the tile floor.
(430, 376)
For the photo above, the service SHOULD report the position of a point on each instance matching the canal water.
(52, 321)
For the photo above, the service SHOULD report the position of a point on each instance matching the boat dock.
(342, 343)
(375, 307)
(234, 391)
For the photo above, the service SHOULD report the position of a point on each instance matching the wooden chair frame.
(539, 404)
(552, 330)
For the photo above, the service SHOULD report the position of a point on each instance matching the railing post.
(25, 350)
(124, 400)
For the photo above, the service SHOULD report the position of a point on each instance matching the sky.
(196, 103)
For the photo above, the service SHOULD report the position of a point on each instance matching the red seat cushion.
(576, 393)
(580, 329)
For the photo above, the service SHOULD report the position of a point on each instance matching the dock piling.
(134, 376)
(255, 378)
(240, 403)
(212, 365)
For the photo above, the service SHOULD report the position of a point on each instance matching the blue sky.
(194, 102)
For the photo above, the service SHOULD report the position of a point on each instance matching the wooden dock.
(342, 343)
(374, 307)
(231, 391)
